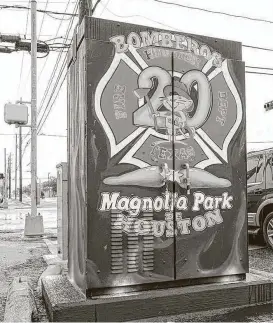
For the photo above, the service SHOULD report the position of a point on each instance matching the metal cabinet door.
(209, 168)
(130, 152)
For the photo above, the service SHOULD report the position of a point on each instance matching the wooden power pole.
(9, 170)
(85, 9)
(20, 166)
(15, 167)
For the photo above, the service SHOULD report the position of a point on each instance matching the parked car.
(260, 194)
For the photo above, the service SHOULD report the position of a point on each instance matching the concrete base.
(65, 303)
(34, 226)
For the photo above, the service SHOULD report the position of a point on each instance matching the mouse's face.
(177, 102)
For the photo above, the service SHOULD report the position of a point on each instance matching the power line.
(260, 142)
(105, 6)
(52, 74)
(214, 12)
(38, 10)
(43, 20)
(58, 78)
(51, 16)
(23, 57)
(260, 73)
(172, 27)
(261, 48)
(41, 123)
(59, 27)
(260, 67)
(42, 134)
(95, 6)
(26, 1)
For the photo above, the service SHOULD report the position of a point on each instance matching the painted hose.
(200, 178)
(144, 177)
(151, 177)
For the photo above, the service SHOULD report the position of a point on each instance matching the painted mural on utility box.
(166, 160)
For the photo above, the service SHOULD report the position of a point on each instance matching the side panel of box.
(77, 211)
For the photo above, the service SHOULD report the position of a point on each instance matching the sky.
(15, 77)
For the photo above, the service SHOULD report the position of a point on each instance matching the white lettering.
(120, 44)
(107, 202)
(213, 218)
(199, 223)
(226, 204)
(199, 198)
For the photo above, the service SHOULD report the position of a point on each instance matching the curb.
(20, 305)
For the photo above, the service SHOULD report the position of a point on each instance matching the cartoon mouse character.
(178, 103)
(171, 116)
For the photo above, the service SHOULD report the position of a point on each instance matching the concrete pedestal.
(65, 303)
(34, 226)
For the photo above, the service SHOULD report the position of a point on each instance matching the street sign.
(16, 114)
(268, 106)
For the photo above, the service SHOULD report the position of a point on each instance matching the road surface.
(13, 218)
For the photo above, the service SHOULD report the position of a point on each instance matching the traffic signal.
(268, 106)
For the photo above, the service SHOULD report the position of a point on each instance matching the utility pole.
(33, 108)
(16, 143)
(9, 170)
(34, 223)
(85, 9)
(20, 166)
(5, 172)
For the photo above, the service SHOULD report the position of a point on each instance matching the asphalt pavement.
(13, 218)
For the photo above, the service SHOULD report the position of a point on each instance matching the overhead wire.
(38, 10)
(214, 11)
(55, 66)
(95, 6)
(41, 123)
(260, 73)
(23, 56)
(59, 27)
(260, 67)
(172, 27)
(51, 16)
(260, 48)
(104, 7)
(41, 26)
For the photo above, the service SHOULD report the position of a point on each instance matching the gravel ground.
(260, 259)
(21, 257)
(262, 313)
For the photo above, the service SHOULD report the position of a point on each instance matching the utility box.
(157, 158)
(62, 220)
(16, 114)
